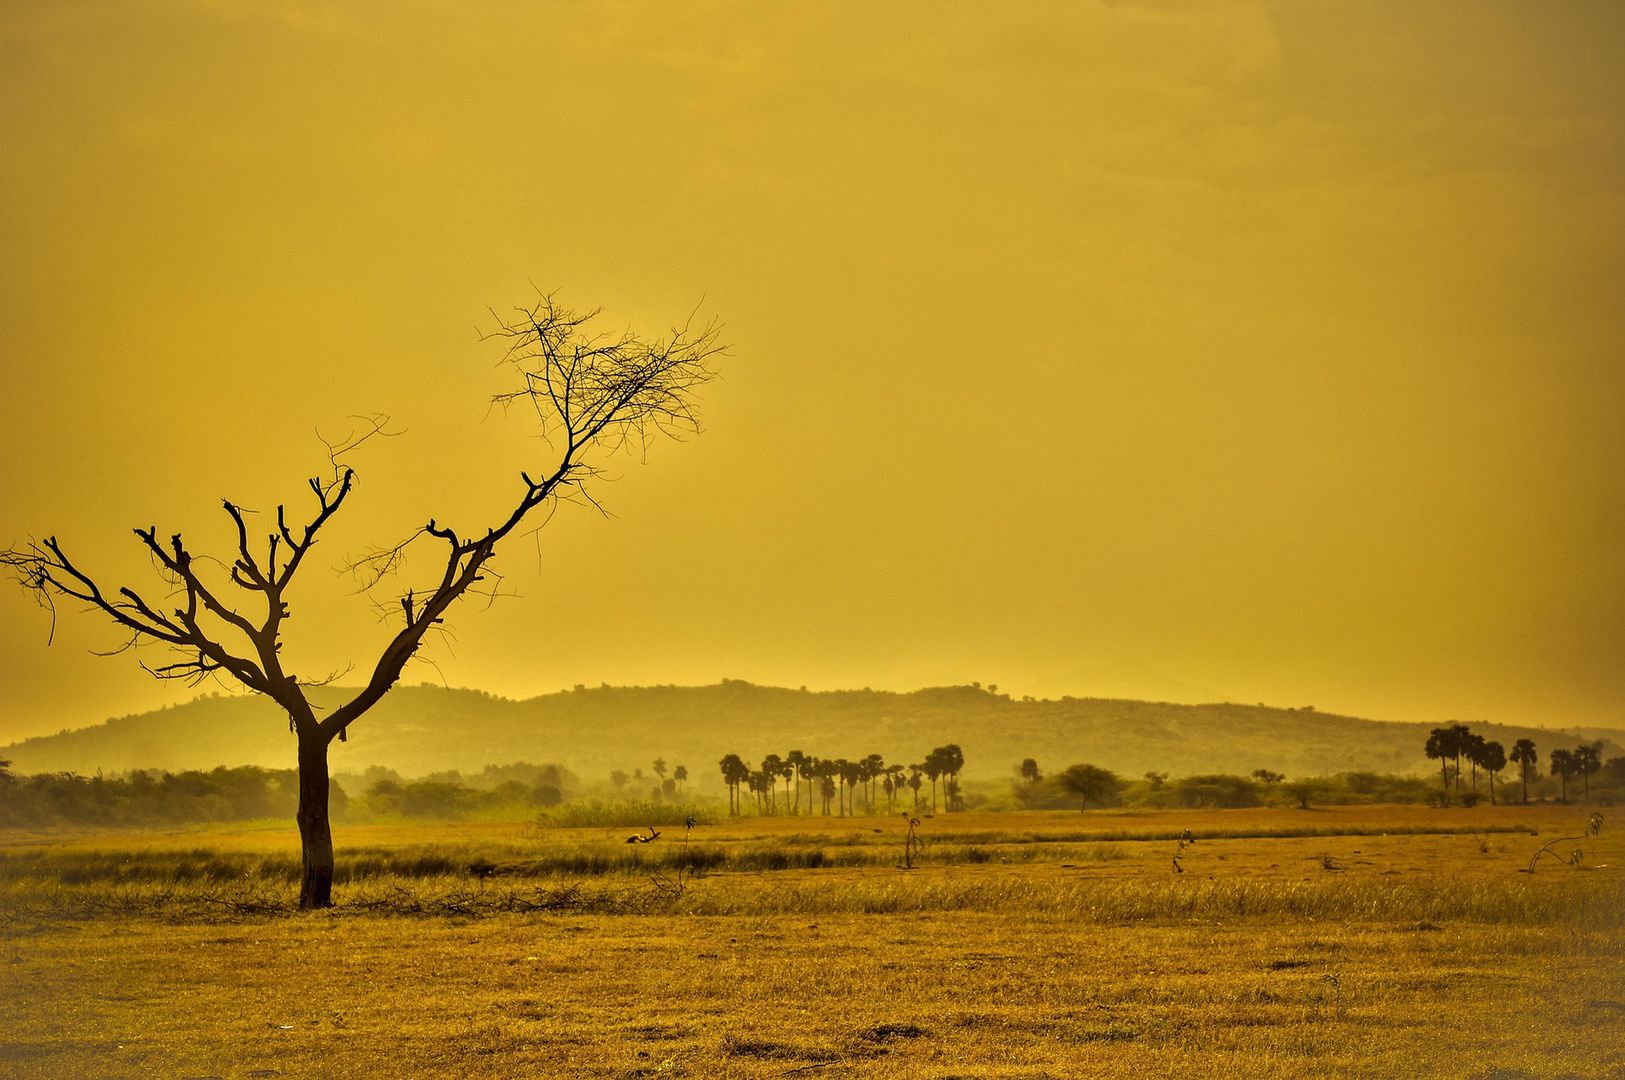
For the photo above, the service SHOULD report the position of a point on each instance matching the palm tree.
(796, 762)
(1473, 747)
(810, 773)
(1563, 766)
(734, 773)
(914, 783)
(680, 774)
(933, 769)
(826, 783)
(952, 759)
(771, 765)
(1441, 745)
(1029, 771)
(787, 773)
(1460, 735)
(1493, 756)
(895, 774)
(851, 772)
(1528, 759)
(1587, 760)
(873, 766)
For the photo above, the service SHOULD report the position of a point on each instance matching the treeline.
(451, 795)
(153, 798)
(1081, 787)
(665, 790)
(150, 797)
(1086, 786)
(842, 781)
(1456, 748)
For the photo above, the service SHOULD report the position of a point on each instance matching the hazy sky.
(1186, 351)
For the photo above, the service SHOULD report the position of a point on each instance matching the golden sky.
(1230, 351)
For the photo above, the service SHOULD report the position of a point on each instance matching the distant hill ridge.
(424, 728)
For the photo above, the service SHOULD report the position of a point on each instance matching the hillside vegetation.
(423, 729)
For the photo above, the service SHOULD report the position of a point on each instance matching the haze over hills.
(425, 728)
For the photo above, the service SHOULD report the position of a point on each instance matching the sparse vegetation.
(1369, 936)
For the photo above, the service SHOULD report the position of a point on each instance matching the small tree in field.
(1089, 782)
(592, 393)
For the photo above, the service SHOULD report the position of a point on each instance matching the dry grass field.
(1360, 941)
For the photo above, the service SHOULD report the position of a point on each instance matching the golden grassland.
(1357, 941)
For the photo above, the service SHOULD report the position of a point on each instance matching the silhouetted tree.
(1089, 782)
(680, 774)
(1264, 776)
(1563, 766)
(787, 773)
(618, 777)
(1528, 760)
(1460, 737)
(591, 392)
(1029, 771)
(933, 770)
(771, 766)
(795, 761)
(851, 771)
(1587, 760)
(1472, 746)
(807, 770)
(1441, 746)
(953, 760)
(915, 783)
(943, 761)
(873, 767)
(1493, 757)
(734, 773)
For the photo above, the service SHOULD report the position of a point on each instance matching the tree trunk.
(315, 831)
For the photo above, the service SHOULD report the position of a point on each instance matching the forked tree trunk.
(315, 831)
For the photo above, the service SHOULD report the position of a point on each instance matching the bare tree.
(591, 391)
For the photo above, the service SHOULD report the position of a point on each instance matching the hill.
(421, 729)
